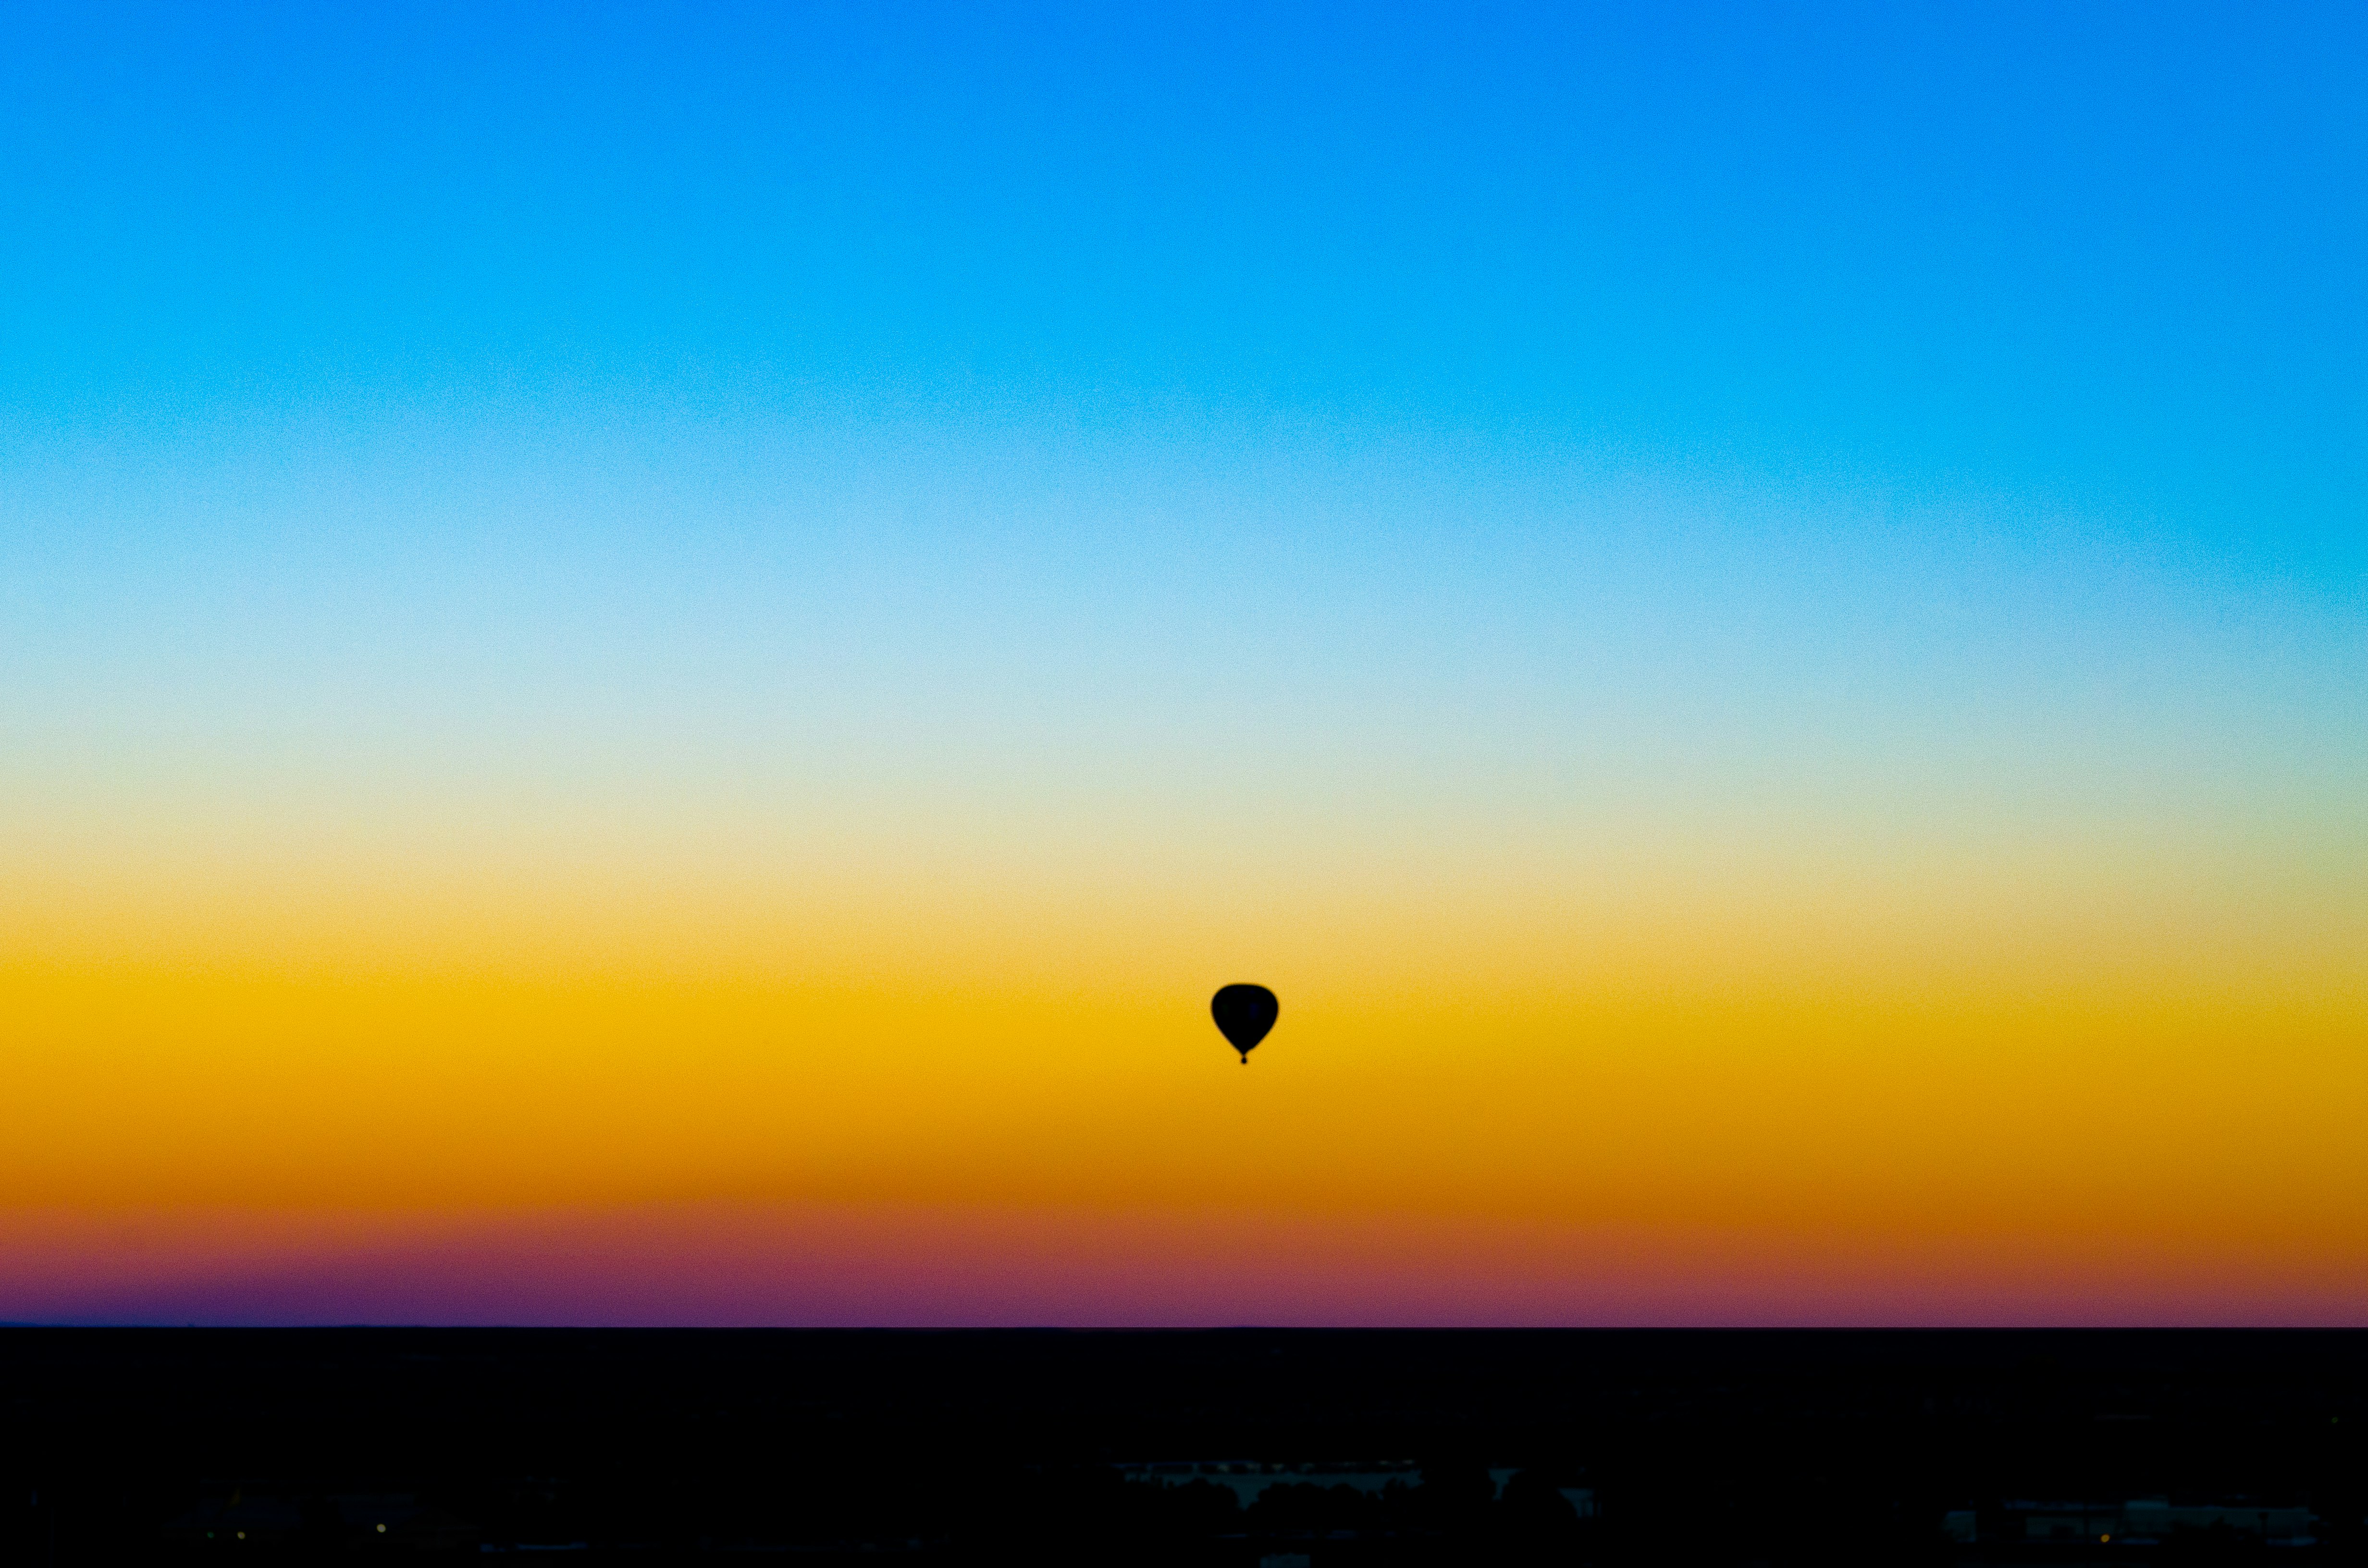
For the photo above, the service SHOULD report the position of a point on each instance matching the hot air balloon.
(1244, 1013)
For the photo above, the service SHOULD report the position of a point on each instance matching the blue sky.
(1459, 393)
(2107, 253)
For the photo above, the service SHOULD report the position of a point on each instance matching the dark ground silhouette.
(299, 1445)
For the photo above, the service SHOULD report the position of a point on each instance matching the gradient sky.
(652, 657)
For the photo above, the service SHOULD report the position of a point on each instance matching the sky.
(651, 659)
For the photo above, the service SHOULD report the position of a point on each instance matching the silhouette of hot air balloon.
(1244, 1013)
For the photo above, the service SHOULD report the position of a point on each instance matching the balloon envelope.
(1244, 1013)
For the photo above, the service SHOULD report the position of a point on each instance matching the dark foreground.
(160, 1446)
